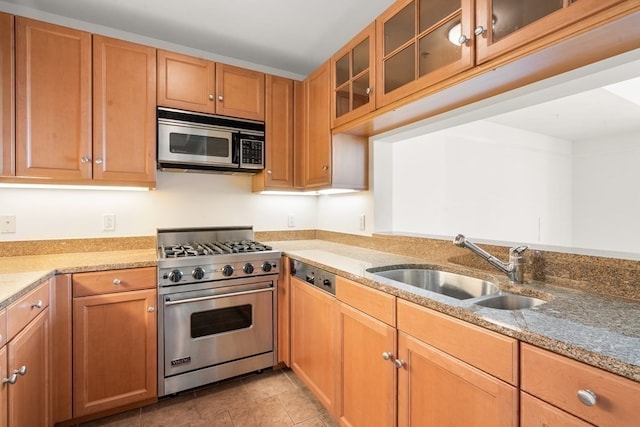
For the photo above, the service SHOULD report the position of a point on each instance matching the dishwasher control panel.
(321, 279)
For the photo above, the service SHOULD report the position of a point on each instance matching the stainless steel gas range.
(216, 308)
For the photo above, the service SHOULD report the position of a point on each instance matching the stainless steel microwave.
(203, 142)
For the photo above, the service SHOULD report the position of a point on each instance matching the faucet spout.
(514, 269)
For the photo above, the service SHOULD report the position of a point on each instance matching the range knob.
(266, 267)
(326, 283)
(248, 268)
(175, 276)
(227, 270)
(198, 273)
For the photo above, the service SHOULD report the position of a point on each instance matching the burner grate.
(213, 248)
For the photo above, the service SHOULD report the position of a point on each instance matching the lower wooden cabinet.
(367, 380)
(577, 389)
(313, 340)
(24, 361)
(536, 413)
(114, 340)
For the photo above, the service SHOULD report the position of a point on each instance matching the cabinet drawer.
(536, 413)
(104, 282)
(486, 350)
(23, 311)
(375, 303)
(557, 379)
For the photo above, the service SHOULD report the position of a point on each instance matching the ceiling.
(294, 36)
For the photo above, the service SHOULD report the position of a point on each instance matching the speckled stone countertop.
(19, 274)
(599, 330)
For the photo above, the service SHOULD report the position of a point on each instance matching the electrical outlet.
(361, 220)
(7, 224)
(108, 222)
(291, 220)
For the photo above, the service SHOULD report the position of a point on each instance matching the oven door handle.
(187, 300)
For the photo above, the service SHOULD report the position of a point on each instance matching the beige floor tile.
(171, 412)
(267, 412)
(221, 398)
(125, 419)
(267, 384)
(299, 405)
(312, 422)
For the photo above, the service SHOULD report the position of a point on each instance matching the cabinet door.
(28, 402)
(352, 78)
(124, 111)
(316, 153)
(7, 96)
(239, 92)
(4, 388)
(114, 348)
(418, 45)
(536, 413)
(53, 101)
(186, 82)
(313, 340)
(367, 381)
(284, 314)
(61, 355)
(278, 172)
(504, 25)
(435, 389)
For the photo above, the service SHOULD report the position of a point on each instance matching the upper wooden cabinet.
(124, 111)
(7, 95)
(352, 77)
(53, 101)
(197, 84)
(503, 25)
(67, 132)
(279, 137)
(418, 44)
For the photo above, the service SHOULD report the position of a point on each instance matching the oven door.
(194, 144)
(206, 328)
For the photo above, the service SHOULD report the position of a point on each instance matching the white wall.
(606, 197)
(342, 212)
(486, 181)
(180, 200)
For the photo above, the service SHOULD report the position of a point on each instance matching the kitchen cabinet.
(4, 387)
(313, 340)
(279, 136)
(418, 44)
(453, 373)
(124, 111)
(326, 161)
(69, 133)
(7, 95)
(114, 340)
(53, 101)
(577, 389)
(283, 305)
(27, 368)
(366, 352)
(503, 25)
(352, 77)
(536, 413)
(61, 351)
(197, 84)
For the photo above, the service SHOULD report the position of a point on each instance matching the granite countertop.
(20, 274)
(598, 330)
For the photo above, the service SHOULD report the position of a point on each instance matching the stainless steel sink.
(509, 302)
(451, 284)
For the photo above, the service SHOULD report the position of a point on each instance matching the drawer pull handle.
(116, 281)
(21, 371)
(587, 397)
(14, 376)
(37, 304)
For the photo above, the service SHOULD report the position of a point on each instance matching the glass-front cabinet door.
(420, 43)
(503, 25)
(352, 76)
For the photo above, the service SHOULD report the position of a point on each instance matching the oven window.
(220, 320)
(198, 145)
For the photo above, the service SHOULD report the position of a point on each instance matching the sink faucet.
(514, 269)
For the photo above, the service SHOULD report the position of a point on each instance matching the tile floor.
(270, 399)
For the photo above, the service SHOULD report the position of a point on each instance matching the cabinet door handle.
(210, 97)
(269, 171)
(85, 159)
(480, 31)
(37, 304)
(368, 91)
(399, 363)
(587, 397)
(116, 281)
(325, 168)
(21, 371)
(463, 39)
(387, 355)
(11, 380)
(151, 309)
(98, 161)
(220, 98)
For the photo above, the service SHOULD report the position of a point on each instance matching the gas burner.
(179, 251)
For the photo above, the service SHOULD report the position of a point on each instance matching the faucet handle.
(518, 250)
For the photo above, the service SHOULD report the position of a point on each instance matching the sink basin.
(510, 302)
(451, 284)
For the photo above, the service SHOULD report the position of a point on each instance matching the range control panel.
(315, 276)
